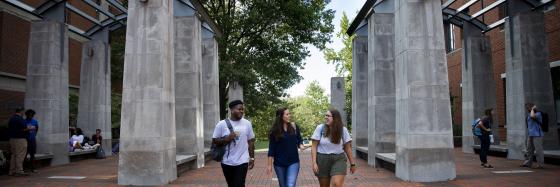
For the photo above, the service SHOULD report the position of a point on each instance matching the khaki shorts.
(331, 164)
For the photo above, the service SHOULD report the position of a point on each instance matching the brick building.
(15, 25)
(497, 38)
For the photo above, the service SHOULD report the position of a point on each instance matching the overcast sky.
(315, 66)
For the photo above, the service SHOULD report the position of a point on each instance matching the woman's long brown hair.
(334, 132)
(277, 128)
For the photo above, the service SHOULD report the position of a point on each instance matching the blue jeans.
(287, 176)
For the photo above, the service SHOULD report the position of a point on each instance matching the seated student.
(97, 138)
(77, 139)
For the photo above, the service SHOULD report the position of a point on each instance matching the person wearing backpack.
(284, 140)
(484, 124)
(535, 137)
(236, 134)
(331, 148)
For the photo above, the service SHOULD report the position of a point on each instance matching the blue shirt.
(32, 132)
(533, 127)
(285, 150)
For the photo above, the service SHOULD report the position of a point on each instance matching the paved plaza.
(104, 173)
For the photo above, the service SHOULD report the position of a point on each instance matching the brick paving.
(469, 173)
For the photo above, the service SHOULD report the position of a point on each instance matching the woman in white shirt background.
(331, 149)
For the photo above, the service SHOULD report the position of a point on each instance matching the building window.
(502, 13)
(449, 37)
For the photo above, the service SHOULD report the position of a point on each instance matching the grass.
(261, 145)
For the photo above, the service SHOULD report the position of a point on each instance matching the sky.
(316, 67)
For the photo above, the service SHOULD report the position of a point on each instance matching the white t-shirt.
(325, 145)
(237, 152)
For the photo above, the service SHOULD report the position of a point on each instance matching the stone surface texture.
(210, 87)
(424, 139)
(189, 122)
(359, 92)
(381, 85)
(147, 145)
(338, 96)
(235, 91)
(47, 87)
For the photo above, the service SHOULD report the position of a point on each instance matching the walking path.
(104, 173)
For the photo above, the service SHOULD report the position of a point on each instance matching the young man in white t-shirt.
(240, 153)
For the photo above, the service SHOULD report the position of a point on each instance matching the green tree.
(309, 110)
(342, 60)
(263, 44)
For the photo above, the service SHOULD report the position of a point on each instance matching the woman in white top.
(330, 149)
(77, 139)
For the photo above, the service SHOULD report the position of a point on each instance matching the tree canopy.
(263, 44)
(309, 110)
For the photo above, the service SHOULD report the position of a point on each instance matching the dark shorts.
(331, 164)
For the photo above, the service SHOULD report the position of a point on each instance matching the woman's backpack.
(217, 152)
(475, 129)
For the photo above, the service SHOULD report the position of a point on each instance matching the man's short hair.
(234, 103)
(30, 112)
(19, 109)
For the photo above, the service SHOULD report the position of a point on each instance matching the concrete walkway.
(104, 173)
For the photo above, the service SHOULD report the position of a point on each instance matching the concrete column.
(528, 79)
(94, 108)
(338, 96)
(359, 92)
(210, 84)
(478, 90)
(47, 87)
(235, 91)
(188, 88)
(381, 85)
(424, 138)
(147, 155)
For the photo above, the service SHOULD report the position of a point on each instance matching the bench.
(185, 163)
(82, 155)
(496, 148)
(362, 152)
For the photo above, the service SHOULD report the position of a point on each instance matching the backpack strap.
(230, 131)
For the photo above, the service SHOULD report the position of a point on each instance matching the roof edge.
(206, 17)
(368, 5)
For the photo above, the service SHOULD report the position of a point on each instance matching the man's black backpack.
(217, 151)
(544, 124)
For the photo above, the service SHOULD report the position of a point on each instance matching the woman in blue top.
(284, 141)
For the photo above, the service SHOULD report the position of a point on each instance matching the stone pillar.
(210, 84)
(528, 79)
(381, 85)
(94, 109)
(147, 155)
(188, 88)
(424, 138)
(235, 92)
(359, 92)
(479, 88)
(338, 96)
(47, 87)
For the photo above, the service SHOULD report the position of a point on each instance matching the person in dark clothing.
(284, 141)
(97, 138)
(17, 130)
(486, 128)
(33, 126)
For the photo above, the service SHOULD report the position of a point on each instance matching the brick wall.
(75, 61)
(9, 100)
(14, 39)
